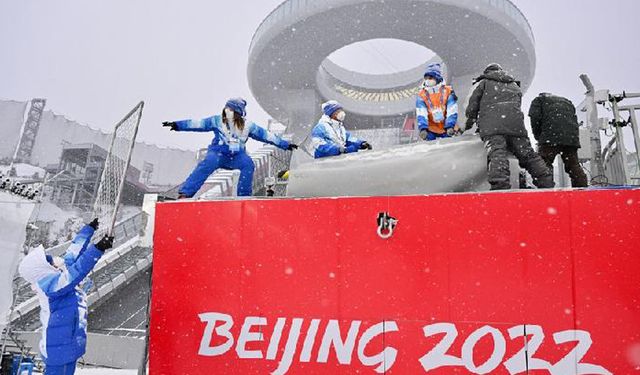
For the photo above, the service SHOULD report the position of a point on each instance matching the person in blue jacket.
(330, 138)
(436, 106)
(227, 150)
(60, 284)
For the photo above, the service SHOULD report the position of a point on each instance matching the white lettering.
(275, 339)
(570, 364)
(332, 337)
(517, 364)
(497, 355)
(290, 348)
(205, 344)
(247, 336)
(438, 356)
(387, 357)
(305, 356)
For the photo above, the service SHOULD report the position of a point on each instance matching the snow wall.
(465, 284)
(13, 225)
(448, 165)
(171, 165)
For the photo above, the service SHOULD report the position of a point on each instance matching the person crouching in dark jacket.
(555, 127)
(495, 107)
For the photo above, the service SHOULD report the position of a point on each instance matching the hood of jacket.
(498, 76)
(34, 266)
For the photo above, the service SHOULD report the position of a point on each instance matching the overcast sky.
(94, 60)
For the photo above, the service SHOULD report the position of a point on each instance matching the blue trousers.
(66, 369)
(215, 160)
(433, 136)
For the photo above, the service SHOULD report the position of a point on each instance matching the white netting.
(115, 169)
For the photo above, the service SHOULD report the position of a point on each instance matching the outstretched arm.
(353, 143)
(59, 284)
(78, 245)
(263, 135)
(204, 125)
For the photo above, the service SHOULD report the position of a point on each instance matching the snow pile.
(63, 223)
(24, 170)
(447, 165)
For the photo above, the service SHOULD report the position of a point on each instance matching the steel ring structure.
(290, 73)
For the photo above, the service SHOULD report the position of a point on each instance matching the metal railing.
(621, 166)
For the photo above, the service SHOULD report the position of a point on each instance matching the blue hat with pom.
(238, 105)
(435, 71)
(331, 107)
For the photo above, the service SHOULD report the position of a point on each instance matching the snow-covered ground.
(24, 170)
(105, 371)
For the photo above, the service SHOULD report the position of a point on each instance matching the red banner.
(504, 283)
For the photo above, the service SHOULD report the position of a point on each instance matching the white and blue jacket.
(228, 140)
(63, 302)
(330, 138)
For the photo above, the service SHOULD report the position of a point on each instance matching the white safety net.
(115, 170)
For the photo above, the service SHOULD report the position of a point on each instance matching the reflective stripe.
(422, 112)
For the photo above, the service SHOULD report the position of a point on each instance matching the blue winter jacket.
(63, 304)
(330, 138)
(228, 140)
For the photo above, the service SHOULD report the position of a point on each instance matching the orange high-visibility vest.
(434, 100)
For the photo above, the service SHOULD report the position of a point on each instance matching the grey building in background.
(162, 166)
(78, 177)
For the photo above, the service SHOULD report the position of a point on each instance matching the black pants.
(498, 149)
(569, 155)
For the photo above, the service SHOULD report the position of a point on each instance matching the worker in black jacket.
(555, 127)
(495, 107)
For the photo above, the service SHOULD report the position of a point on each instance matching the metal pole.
(596, 164)
(635, 128)
(620, 140)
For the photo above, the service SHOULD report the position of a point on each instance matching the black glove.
(451, 132)
(172, 125)
(105, 243)
(94, 224)
(469, 124)
(366, 146)
(292, 146)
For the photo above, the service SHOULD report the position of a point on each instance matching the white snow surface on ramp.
(104, 371)
(450, 165)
